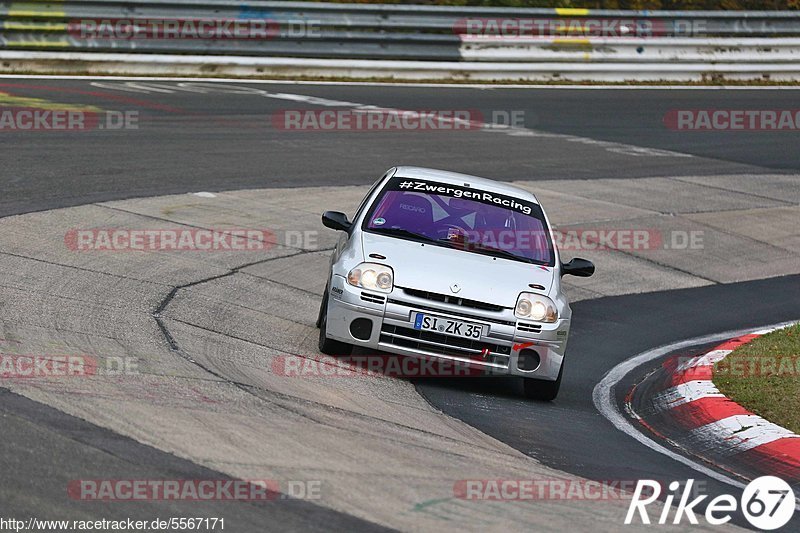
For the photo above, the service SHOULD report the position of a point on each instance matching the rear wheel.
(543, 390)
(326, 345)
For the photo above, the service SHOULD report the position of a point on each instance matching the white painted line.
(604, 398)
(488, 127)
(489, 86)
(770, 330)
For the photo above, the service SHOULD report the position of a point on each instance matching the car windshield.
(473, 220)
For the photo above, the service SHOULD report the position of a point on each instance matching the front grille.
(372, 298)
(449, 312)
(440, 343)
(532, 328)
(454, 300)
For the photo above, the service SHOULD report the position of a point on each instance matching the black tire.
(541, 389)
(323, 305)
(326, 345)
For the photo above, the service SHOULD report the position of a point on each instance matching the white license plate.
(447, 326)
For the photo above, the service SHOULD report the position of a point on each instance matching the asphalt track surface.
(194, 141)
(43, 449)
(190, 141)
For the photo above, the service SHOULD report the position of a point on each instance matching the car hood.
(436, 269)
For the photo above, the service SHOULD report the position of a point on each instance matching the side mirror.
(583, 268)
(336, 220)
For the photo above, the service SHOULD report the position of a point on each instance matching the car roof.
(456, 178)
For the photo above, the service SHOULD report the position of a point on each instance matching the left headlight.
(372, 276)
(536, 307)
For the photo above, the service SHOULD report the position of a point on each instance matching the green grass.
(764, 377)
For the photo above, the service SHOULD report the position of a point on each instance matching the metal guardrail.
(369, 31)
(267, 38)
(126, 64)
(637, 50)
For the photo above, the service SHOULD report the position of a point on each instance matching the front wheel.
(543, 390)
(326, 345)
(322, 307)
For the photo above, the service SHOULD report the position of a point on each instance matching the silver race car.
(442, 265)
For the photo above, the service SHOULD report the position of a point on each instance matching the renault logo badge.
(455, 288)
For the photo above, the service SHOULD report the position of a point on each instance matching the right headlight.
(535, 307)
(372, 276)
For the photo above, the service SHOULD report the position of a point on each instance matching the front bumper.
(391, 329)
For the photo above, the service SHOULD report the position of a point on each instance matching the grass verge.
(764, 377)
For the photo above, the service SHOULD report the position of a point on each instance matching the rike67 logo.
(768, 503)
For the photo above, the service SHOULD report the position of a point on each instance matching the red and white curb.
(680, 403)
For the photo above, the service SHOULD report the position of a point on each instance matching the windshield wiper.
(497, 252)
(400, 232)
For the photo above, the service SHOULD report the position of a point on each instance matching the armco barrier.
(635, 50)
(758, 44)
(234, 66)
